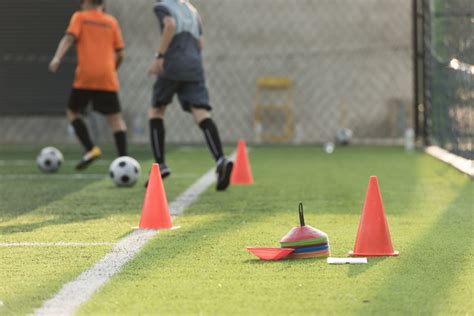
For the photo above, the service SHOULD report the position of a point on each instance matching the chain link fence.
(345, 63)
(278, 71)
(449, 74)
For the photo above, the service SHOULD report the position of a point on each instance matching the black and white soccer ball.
(344, 136)
(49, 159)
(124, 171)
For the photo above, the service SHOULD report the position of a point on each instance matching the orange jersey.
(98, 37)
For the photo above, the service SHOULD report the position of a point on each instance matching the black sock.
(212, 138)
(157, 136)
(121, 143)
(82, 133)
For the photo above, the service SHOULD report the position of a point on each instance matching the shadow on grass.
(249, 207)
(354, 269)
(301, 183)
(78, 201)
(20, 197)
(57, 214)
(322, 187)
(174, 244)
(24, 228)
(358, 269)
(431, 267)
(334, 184)
(185, 239)
(79, 207)
(284, 262)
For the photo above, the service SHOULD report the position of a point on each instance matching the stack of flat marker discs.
(307, 241)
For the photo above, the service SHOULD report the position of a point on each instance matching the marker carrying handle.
(301, 214)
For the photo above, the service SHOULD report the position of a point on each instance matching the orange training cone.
(155, 213)
(373, 237)
(241, 173)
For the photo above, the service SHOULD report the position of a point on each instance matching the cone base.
(241, 183)
(156, 227)
(362, 254)
(145, 228)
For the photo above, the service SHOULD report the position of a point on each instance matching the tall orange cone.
(373, 237)
(155, 213)
(241, 173)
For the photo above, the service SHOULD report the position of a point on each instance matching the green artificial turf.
(204, 267)
(56, 208)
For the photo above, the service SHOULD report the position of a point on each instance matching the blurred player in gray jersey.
(179, 70)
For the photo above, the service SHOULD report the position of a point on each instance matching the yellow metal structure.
(285, 132)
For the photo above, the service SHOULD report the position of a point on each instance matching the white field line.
(54, 244)
(22, 163)
(39, 176)
(462, 164)
(74, 176)
(191, 194)
(78, 291)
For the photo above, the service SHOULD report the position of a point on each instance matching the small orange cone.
(373, 237)
(242, 173)
(155, 213)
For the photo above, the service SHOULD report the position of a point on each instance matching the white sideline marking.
(74, 176)
(33, 176)
(22, 162)
(54, 244)
(191, 194)
(462, 164)
(78, 291)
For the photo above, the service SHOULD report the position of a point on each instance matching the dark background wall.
(29, 33)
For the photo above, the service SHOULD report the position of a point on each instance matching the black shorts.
(105, 102)
(190, 93)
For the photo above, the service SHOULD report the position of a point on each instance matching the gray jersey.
(183, 61)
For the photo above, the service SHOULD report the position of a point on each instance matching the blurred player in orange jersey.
(99, 47)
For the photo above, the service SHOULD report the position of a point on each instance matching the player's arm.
(169, 30)
(119, 56)
(63, 47)
(201, 42)
(201, 37)
(118, 45)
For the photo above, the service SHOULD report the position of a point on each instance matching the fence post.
(427, 68)
(416, 98)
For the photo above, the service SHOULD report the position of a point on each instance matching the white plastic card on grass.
(347, 260)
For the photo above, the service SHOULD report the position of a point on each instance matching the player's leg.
(108, 104)
(156, 116)
(203, 119)
(163, 92)
(119, 129)
(224, 167)
(77, 103)
(194, 98)
(80, 129)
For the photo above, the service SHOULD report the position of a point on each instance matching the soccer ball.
(49, 159)
(328, 148)
(344, 136)
(124, 171)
